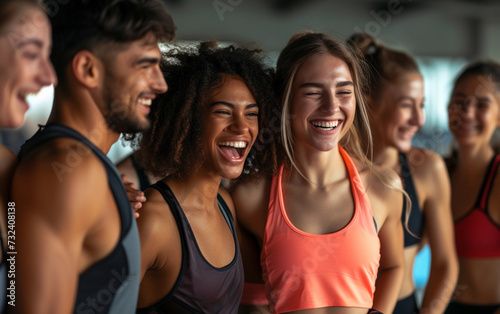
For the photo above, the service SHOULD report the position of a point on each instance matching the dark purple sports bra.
(200, 287)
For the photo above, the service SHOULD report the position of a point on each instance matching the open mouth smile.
(233, 150)
(325, 125)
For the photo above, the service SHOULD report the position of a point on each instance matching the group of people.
(252, 188)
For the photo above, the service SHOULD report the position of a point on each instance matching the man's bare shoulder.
(60, 178)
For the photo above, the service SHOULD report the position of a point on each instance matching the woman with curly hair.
(203, 129)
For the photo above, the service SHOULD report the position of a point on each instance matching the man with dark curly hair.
(76, 234)
(212, 123)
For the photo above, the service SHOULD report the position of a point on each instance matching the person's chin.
(231, 172)
(15, 121)
(403, 146)
(131, 127)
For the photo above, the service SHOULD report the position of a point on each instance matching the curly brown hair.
(170, 148)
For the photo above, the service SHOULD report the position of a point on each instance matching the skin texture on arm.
(60, 229)
(387, 207)
(250, 200)
(439, 234)
(157, 231)
(250, 252)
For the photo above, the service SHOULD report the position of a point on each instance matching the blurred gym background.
(443, 35)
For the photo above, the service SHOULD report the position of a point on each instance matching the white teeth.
(326, 125)
(234, 144)
(145, 102)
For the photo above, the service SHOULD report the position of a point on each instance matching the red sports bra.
(476, 235)
(307, 271)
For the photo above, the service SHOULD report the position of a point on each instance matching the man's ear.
(87, 68)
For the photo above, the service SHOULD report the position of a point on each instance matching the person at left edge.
(77, 240)
(25, 41)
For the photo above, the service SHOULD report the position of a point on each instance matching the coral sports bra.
(308, 271)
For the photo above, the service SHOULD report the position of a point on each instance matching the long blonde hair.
(301, 48)
(358, 140)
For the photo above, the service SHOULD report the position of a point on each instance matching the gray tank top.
(112, 284)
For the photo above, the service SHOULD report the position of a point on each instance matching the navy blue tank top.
(416, 220)
(112, 284)
(200, 287)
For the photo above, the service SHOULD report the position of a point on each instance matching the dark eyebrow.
(27, 42)
(407, 98)
(345, 83)
(484, 98)
(149, 60)
(230, 105)
(250, 106)
(310, 84)
(481, 98)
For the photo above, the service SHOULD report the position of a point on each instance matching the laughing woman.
(203, 130)
(24, 69)
(396, 97)
(327, 224)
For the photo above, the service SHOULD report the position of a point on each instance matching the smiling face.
(399, 112)
(323, 103)
(132, 80)
(25, 68)
(474, 110)
(230, 127)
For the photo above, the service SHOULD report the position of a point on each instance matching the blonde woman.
(396, 106)
(325, 225)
